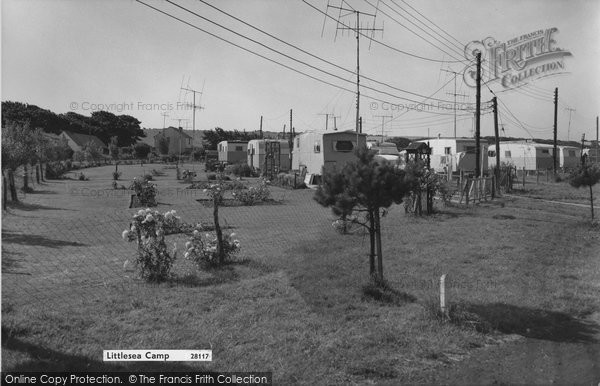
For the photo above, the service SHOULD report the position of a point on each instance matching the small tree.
(586, 175)
(141, 150)
(368, 186)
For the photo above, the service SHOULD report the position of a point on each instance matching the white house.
(233, 151)
(315, 151)
(455, 153)
(528, 155)
(257, 150)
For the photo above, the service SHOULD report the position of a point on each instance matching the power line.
(279, 63)
(426, 18)
(452, 49)
(301, 50)
(384, 44)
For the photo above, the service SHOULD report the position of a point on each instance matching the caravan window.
(447, 150)
(491, 153)
(317, 147)
(545, 151)
(239, 148)
(298, 143)
(343, 146)
(507, 154)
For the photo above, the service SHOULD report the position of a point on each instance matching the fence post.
(443, 307)
(537, 176)
(523, 177)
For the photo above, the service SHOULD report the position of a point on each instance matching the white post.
(443, 294)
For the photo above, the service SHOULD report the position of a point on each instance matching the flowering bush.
(116, 175)
(253, 194)
(203, 249)
(148, 228)
(188, 176)
(145, 192)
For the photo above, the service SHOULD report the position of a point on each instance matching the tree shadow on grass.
(10, 264)
(37, 240)
(28, 207)
(48, 360)
(525, 321)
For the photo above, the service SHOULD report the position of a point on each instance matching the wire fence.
(64, 258)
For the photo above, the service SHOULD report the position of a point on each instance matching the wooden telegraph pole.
(495, 104)
(555, 128)
(478, 119)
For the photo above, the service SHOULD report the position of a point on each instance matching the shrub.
(145, 192)
(188, 176)
(239, 170)
(178, 173)
(55, 170)
(202, 249)
(82, 177)
(147, 177)
(148, 229)
(116, 175)
(253, 194)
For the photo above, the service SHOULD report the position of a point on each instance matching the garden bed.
(234, 202)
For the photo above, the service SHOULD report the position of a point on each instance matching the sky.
(127, 58)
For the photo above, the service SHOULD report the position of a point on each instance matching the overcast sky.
(121, 56)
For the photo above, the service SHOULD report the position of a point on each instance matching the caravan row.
(312, 151)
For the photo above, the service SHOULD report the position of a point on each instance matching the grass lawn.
(295, 303)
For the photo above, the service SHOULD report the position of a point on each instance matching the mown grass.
(299, 302)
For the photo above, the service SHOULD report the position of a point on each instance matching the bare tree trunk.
(42, 171)
(25, 179)
(11, 184)
(378, 242)
(37, 173)
(4, 192)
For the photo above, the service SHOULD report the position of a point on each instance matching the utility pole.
(261, 132)
(291, 140)
(326, 120)
(569, 127)
(582, 147)
(164, 115)
(555, 128)
(455, 95)
(478, 119)
(495, 106)
(335, 117)
(194, 107)
(358, 30)
(383, 117)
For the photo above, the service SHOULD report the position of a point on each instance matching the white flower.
(141, 212)
(186, 255)
(188, 245)
(133, 228)
(207, 234)
(212, 249)
(204, 190)
(149, 218)
(196, 233)
(232, 235)
(125, 235)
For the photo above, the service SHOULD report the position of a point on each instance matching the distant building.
(178, 140)
(77, 141)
